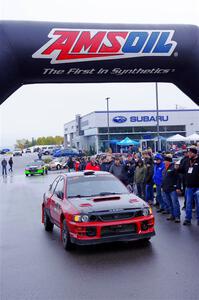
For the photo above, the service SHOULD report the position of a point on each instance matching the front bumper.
(116, 238)
(33, 172)
(107, 232)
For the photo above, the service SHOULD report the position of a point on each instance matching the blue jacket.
(158, 173)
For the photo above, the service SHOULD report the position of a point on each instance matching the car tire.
(27, 175)
(48, 225)
(66, 240)
(58, 167)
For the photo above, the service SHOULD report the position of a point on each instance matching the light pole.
(157, 117)
(107, 110)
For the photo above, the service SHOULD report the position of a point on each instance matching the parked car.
(37, 167)
(4, 151)
(17, 152)
(47, 150)
(66, 152)
(57, 163)
(94, 207)
(28, 150)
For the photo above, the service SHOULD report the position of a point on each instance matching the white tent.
(176, 138)
(193, 137)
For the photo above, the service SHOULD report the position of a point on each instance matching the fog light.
(144, 226)
(91, 231)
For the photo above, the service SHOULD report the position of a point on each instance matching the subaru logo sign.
(119, 119)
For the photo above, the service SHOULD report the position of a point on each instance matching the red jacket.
(89, 166)
(77, 163)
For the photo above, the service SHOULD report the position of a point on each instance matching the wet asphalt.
(34, 265)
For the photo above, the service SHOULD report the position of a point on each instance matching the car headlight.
(85, 218)
(146, 211)
(81, 218)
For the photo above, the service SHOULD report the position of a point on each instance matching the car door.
(50, 196)
(57, 200)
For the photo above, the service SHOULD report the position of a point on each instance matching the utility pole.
(108, 129)
(157, 117)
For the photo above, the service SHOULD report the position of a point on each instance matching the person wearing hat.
(118, 170)
(159, 167)
(171, 188)
(149, 194)
(192, 185)
(92, 165)
(184, 163)
(139, 178)
(129, 167)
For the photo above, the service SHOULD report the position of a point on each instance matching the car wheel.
(26, 174)
(66, 237)
(48, 225)
(58, 167)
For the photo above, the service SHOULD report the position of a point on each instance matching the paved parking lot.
(35, 266)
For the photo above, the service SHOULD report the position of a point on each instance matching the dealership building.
(91, 131)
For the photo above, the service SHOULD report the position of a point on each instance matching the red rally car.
(93, 207)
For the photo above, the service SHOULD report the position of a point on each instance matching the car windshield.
(88, 186)
(35, 163)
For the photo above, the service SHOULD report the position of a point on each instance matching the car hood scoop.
(100, 199)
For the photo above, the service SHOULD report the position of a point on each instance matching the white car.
(17, 152)
(58, 163)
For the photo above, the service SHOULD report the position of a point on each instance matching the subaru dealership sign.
(139, 119)
(119, 119)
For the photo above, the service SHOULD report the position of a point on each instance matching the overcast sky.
(41, 110)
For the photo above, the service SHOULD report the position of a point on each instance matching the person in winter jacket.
(77, 164)
(184, 165)
(171, 188)
(10, 162)
(159, 167)
(106, 163)
(117, 169)
(4, 167)
(192, 185)
(71, 164)
(83, 163)
(139, 178)
(149, 195)
(92, 165)
(129, 167)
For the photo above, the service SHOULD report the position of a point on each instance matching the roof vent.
(89, 172)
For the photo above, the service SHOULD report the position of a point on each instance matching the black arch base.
(40, 52)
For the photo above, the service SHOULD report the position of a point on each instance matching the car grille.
(118, 229)
(116, 216)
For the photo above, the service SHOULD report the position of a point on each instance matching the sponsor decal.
(76, 45)
(148, 118)
(119, 119)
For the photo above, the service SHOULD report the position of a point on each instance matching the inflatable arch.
(41, 52)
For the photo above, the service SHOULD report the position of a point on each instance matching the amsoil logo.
(74, 45)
